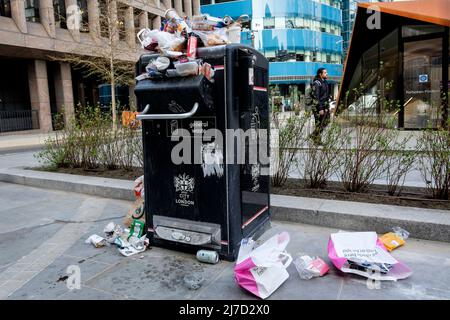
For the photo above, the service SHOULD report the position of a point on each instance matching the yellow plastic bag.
(391, 241)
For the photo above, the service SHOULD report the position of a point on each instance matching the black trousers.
(320, 122)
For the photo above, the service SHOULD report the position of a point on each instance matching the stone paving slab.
(34, 259)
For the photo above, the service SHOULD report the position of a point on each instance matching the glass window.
(84, 25)
(5, 8)
(60, 13)
(418, 30)
(32, 10)
(121, 21)
(422, 75)
(104, 27)
(269, 23)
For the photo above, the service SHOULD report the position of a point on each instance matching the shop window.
(32, 10)
(422, 76)
(418, 30)
(5, 8)
(59, 7)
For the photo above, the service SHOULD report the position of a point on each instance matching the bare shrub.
(291, 137)
(434, 161)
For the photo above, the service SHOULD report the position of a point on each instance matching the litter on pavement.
(310, 267)
(394, 239)
(262, 270)
(96, 240)
(127, 242)
(208, 256)
(362, 253)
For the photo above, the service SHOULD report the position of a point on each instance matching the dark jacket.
(321, 93)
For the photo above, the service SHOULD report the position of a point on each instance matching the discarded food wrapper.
(142, 77)
(395, 239)
(206, 69)
(391, 241)
(262, 270)
(137, 211)
(96, 240)
(162, 63)
(127, 249)
(187, 68)
(192, 47)
(169, 41)
(310, 267)
(136, 229)
(112, 231)
(402, 233)
(212, 38)
(362, 253)
(139, 187)
(137, 243)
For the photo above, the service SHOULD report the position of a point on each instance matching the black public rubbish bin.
(196, 206)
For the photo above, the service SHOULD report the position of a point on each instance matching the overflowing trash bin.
(194, 80)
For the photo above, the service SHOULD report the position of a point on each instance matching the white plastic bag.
(263, 270)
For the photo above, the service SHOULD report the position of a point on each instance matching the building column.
(18, 14)
(73, 19)
(113, 13)
(130, 33)
(179, 7)
(143, 20)
(156, 23)
(188, 7)
(167, 3)
(39, 95)
(64, 92)
(94, 19)
(196, 8)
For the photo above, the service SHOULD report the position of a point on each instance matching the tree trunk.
(113, 95)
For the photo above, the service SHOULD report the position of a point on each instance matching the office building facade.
(405, 61)
(33, 87)
(297, 37)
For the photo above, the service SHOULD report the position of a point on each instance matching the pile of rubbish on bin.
(178, 40)
(261, 270)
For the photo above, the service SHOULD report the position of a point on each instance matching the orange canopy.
(432, 11)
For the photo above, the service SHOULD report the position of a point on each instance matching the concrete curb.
(426, 224)
(102, 187)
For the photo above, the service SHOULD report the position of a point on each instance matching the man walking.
(321, 108)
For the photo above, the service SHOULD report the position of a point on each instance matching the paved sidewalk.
(17, 142)
(31, 269)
